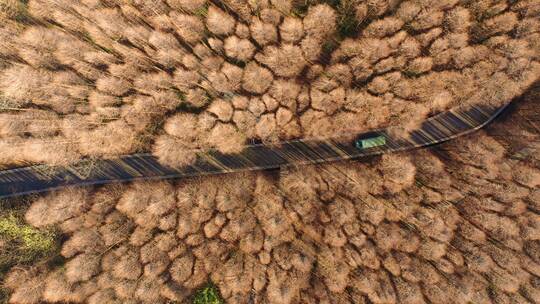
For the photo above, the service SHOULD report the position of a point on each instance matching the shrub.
(208, 295)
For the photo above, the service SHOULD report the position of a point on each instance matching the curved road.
(437, 129)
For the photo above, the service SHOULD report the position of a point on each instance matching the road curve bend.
(439, 128)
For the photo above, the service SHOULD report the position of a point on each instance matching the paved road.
(437, 129)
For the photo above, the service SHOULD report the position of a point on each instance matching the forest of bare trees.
(106, 78)
(458, 223)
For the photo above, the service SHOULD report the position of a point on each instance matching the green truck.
(370, 141)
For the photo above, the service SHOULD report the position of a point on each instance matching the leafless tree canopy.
(456, 224)
(106, 76)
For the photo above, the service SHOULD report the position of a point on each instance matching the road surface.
(437, 129)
